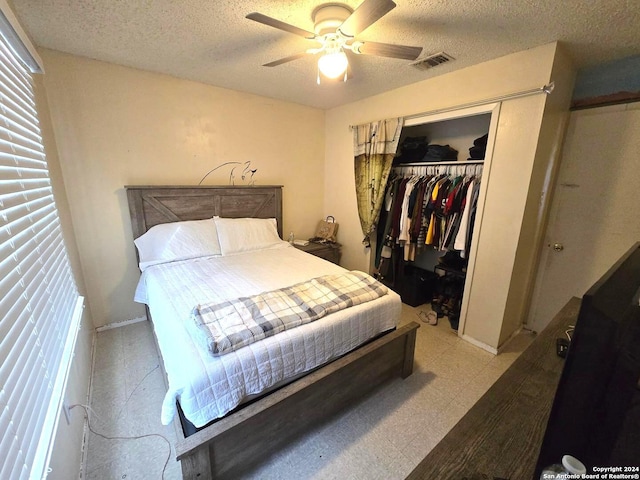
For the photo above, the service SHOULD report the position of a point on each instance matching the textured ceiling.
(212, 42)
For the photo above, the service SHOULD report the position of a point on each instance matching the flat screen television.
(595, 414)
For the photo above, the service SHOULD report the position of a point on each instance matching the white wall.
(513, 161)
(118, 126)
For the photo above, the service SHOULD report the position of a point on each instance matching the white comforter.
(208, 387)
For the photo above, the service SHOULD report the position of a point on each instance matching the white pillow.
(246, 234)
(169, 242)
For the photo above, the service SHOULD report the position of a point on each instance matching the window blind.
(38, 295)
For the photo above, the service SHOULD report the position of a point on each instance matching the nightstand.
(328, 251)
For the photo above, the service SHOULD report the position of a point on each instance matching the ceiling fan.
(335, 28)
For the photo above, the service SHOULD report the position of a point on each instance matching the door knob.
(558, 247)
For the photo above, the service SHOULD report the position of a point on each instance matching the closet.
(425, 239)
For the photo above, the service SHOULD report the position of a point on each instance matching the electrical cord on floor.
(88, 409)
(134, 390)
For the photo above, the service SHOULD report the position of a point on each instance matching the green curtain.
(375, 145)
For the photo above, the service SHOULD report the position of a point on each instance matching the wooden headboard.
(151, 205)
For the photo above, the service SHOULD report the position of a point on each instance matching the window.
(39, 303)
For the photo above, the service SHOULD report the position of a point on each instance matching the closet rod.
(548, 88)
(450, 162)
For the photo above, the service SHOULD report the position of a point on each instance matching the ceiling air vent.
(432, 61)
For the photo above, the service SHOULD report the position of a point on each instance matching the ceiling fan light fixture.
(335, 27)
(333, 64)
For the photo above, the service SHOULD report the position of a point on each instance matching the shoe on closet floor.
(429, 317)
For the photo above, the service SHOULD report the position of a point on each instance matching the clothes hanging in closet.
(428, 210)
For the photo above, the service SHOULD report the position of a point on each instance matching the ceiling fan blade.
(285, 60)
(389, 50)
(272, 22)
(366, 14)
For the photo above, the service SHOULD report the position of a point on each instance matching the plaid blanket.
(226, 326)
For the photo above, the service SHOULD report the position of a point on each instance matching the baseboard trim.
(110, 326)
(517, 332)
(480, 344)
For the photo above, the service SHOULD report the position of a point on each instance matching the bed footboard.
(238, 442)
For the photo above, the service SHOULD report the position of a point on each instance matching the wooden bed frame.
(246, 437)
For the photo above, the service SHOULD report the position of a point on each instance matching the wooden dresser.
(500, 437)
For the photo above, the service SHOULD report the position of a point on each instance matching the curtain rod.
(548, 88)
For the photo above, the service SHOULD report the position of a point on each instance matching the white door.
(595, 213)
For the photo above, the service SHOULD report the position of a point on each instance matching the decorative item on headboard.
(246, 175)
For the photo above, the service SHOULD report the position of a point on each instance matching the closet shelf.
(450, 162)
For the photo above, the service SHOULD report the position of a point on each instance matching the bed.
(232, 411)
